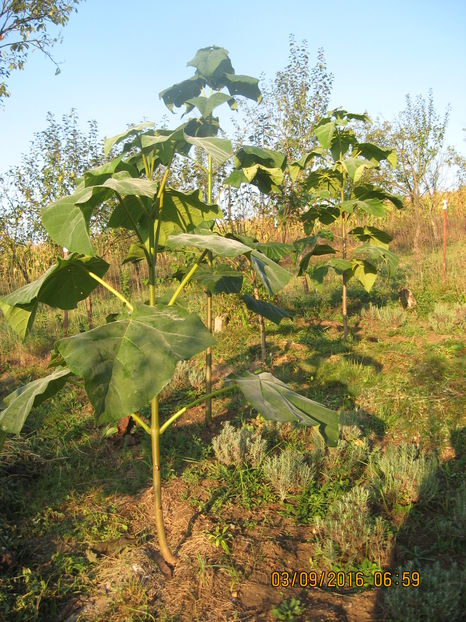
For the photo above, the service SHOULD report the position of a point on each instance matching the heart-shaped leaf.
(219, 280)
(127, 362)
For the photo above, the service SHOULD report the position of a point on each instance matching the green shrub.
(444, 318)
(348, 534)
(437, 599)
(403, 475)
(238, 445)
(288, 470)
(390, 317)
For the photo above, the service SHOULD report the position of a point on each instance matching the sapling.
(125, 363)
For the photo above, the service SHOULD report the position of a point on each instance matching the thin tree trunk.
(89, 312)
(261, 330)
(344, 291)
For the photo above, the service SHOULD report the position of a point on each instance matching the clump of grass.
(445, 317)
(390, 317)
(234, 446)
(348, 532)
(403, 475)
(288, 470)
(453, 526)
(437, 599)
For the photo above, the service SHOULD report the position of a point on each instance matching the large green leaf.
(325, 134)
(20, 318)
(219, 280)
(68, 223)
(243, 85)
(318, 250)
(127, 362)
(63, 286)
(98, 175)
(266, 309)
(224, 247)
(114, 140)
(275, 250)
(355, 167)
(206, 105)
(183, 212)
(19, 404)
(219, 148)
(368, 191)
(274, 400)
(211, 63)
(249, 156)
(373, 152)
(271, 273)
(365, 272)
(372, 234)
(179, 93)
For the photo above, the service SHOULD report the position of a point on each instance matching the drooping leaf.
(97, 176)
(19, 318)
(179, 93)
(219, 148)
(19, 404)
(68, 223)
(373, 152)
(136, 253)
(219, 280)
(325, 133)
(63, 285)
(274, 400)
(368, 191)
(206, 105)
(183, 212)
(365, 272)
(114, 140)
(274, 250)
(243, 85)
(377, 253)
(127, 362)
(249, 156)
(355, 167)
(266, 309)
(377, 236)
(273, 276)
(318, 250)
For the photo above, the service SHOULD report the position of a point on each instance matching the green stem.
(140, 422)
(194, 403)
(112, 290)
(157, 482)
(208, 356)
(186, 278)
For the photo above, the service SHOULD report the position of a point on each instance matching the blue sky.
(116, 56)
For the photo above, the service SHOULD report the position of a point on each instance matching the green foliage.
(444, 318)
(403, 475)
(289, 610)
(234, 446)
(286, 471)
(348, 532)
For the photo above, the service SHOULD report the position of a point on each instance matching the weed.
(289, 610)
(221, 537)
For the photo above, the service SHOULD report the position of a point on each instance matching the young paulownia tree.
(125, 363)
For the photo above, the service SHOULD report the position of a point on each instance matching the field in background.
(76, 531)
